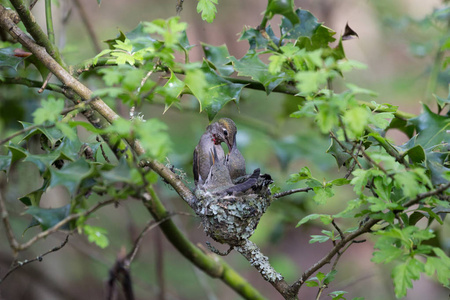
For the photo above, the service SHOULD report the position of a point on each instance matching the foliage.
(394, 186)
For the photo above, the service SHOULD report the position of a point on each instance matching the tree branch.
(34, 29)
(33, 84)
(20, 264)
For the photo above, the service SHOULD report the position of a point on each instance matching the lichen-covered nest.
(232, 219)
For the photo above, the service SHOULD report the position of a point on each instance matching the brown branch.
(293, 191)
(61, 223)
(33, 28)
(9, 232)
(39, 258)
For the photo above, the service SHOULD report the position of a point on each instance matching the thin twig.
(334, 137)
(150, 225)
(39, 258)
(25, 130)
(293, 191)
(355, 161)
(9, 232)
(64, 221)
(88, 24)
(45, 82)
(33, 3)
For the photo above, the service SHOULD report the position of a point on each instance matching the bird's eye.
(225, 132)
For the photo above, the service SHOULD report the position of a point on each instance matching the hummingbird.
(203, 160)
(219, 180)
(234, 160)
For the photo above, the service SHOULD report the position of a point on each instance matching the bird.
(234, 159)
(219, 181)
(210, 140)
(218, 177)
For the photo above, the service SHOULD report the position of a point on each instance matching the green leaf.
(96, 235)
(340, 181)
(336, 295)
(304, 173)
(322, 194)
(5, 162)
(48, 218)
(431, 128)
(338, 153)
(381, 120)
(212, 91)
(34, 198)
(154, 138)
(8, 59)
(305, 28)
(387, 250)
(439, 265)
(53, 134)
(70, 175)
(318, 238)
(356, 120)
(208, 9)
(250, 65)
(50, 111)
(139, 37)
(329, 277)
(403, 275)
(120, 173)
(43, 161)
(310, 81)
(220, 57)
(312, 283)
(171, 91)
(257, 40)
(17, 152)
(325, 219)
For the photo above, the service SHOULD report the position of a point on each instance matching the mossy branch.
(35, 30)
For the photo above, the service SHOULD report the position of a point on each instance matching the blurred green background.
(396, 44)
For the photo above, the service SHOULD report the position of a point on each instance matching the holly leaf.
(338, 153)
(258, 41)
(415, 152)
(17, 152)
(212, 91)
(120, 173)
(48, 218)
(171, 91)
(34, 198)
(250, 65)
(138, 37)
(305, 28)
(5, 162)
(435, 163)
(71, 175)
(53, 134)
(42, 161)
(431, 128)
(219, 56)
(349, 33)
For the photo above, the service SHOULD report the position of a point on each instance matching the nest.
(232, 218)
